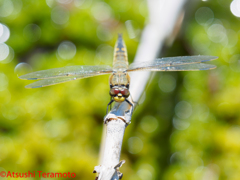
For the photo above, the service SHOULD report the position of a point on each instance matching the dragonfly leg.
(130, 105)
(109, 104)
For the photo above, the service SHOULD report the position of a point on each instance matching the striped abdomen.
(120, 64)
(120, 59)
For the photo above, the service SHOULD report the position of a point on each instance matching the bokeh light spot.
(10, 112)
(167, 83)
(32, 32)
(17, 5)
(149, 124)
(142, 8)
(82, 4)
(190, 83)
(5, 96)
(217, 33)
(201, 42)
(132, 28)
(235, 8)
(64, 1)
(104, 34)
(202, 112)
(105, 53)
(101, 11)
(232, 38)
(66, 50)
(135, 145)
(6, 8)
(50, 3)
(60, 15)
(175, 157)
(146, 171)
(22, 68)
(4, 51)
(204, 16)
(198, 172)
(1, 29)
(144, 174)
(56, 128)
(5, 34)
(23, 156)
(10, 56)
(3, 82)
(180, 124)
(235, 63)
(183, 110)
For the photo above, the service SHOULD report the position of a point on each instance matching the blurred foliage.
(187, 123)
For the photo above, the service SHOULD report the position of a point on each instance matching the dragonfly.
(119, 80)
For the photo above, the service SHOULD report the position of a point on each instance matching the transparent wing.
(162, 63)
(83, 71)
(185, 67)
(53, 81)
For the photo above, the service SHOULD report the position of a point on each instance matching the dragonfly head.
(119, 94)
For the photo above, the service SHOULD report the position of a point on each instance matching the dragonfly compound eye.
(125, 92)
(114, 92)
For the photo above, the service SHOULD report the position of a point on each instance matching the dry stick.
(163, 16)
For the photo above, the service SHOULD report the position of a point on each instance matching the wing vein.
(83, 71)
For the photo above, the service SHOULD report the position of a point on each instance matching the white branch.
(163, 15)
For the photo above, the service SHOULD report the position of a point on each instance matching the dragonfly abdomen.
(120, 66)
(120, 59)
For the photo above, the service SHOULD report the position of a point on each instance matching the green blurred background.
(187, 123)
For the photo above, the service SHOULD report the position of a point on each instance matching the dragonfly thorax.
(119, 79)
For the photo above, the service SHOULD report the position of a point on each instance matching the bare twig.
(163, 16)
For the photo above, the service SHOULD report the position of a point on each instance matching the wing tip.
(211, 67)
(26, 78)
(207, 58)
(27, 87)
(32, 78)
(213, 57)
(205, 69)
(32, 87)
(21, 77)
